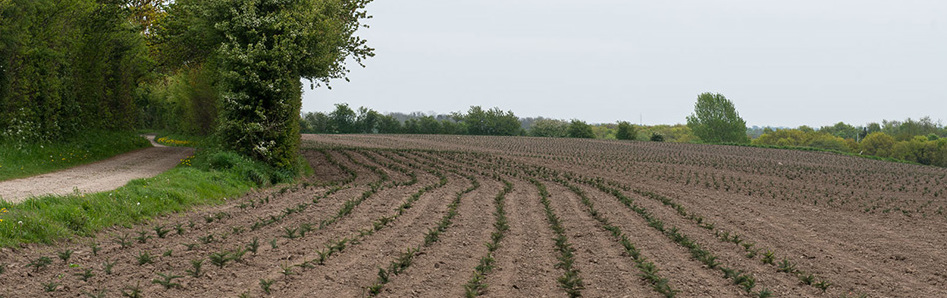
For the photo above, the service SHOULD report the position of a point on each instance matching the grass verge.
(23, 160)
(212, 177)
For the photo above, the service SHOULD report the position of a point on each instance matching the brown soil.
(753, 193)
(99, 176)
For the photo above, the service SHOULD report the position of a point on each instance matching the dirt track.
(99, 176)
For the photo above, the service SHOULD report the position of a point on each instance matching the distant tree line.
(476, 121)
(922, 141)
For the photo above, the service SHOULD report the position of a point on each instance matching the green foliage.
(269, 45)
(626, 131)
(877, 144)
(549, 128)
(67, 66)
(803, 138)
(656, 137)
(580, 129)
(715, 120)
(492, 122)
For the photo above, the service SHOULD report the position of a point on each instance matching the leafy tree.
(626, 131)
(429, 125)
(656, 137)
(263, 48)
(490, 122)
(716, 120)
(549, 128)
(316, 123)
(388, 124)
(580, 129)
(367, 120)
(450, 127)
(343, 119)
(877, 144)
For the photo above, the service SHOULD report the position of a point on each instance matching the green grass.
(213, 177)
(24, 160)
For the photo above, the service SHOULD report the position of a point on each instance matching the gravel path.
(99, 176)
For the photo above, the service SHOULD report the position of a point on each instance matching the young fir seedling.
(167, 280)
(132, 292)
(196, 265)
(220, 259)
(95, 248)
(143, 237)
(161, 231)
(85, 275)
(50, 286)
(144, 258)
(65, 255)
(122, 240)
(99, 294)
(40, 263)
(253, 245)
(107, 266)
(265, 285)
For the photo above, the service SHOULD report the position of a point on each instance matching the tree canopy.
(715, 120)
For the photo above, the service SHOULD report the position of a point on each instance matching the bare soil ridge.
(99, 176)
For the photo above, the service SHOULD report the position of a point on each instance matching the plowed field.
(445, 216)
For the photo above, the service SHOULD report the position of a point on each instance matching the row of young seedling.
(747, 282)
(398, 266)
(649, 269)
(477, 285)
(333, 247)
(570, 281)
(749, 247)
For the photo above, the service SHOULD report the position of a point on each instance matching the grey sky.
(782, 63)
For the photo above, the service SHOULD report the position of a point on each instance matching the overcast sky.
(782, 63)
